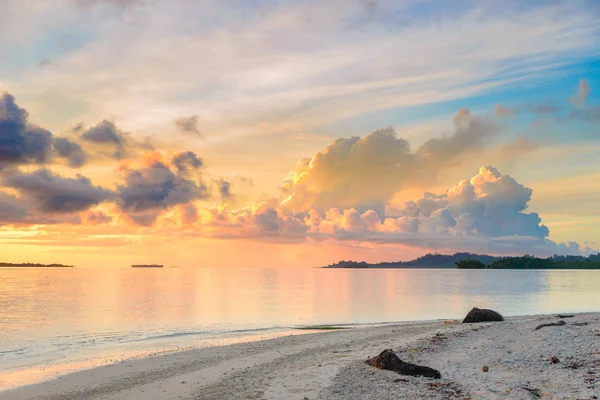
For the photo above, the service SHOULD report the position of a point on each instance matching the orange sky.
(199, 133)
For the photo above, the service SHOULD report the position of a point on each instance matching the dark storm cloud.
(55, 194)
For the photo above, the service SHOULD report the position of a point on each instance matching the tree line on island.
(34, 265)
(482, 261)
(531, 262)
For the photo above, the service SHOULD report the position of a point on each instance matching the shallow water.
(64, 319)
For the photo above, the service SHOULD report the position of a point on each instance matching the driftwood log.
(387, 359)
(482, 315)
(559, 323)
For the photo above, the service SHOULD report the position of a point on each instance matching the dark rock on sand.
(387, 359)
(482, 315)
(559, 323)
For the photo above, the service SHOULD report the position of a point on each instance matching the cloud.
(44, 63)
(20, 141)
(364, 173)
(489, 205)
(11, 209)
(584, 113)
(85, 4)
(317, 77)
(503, 112)
(23, 143)
(588, 114)
(151, 189)
(543, 108)
(188, 125)
(106, 134)
(224, 189)
(486, 213)
(266, 219)
(186, 162)
(55, 194)
(581, 94)
(97, 218)
(72, 151)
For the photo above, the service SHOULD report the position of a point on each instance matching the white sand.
(329, 365)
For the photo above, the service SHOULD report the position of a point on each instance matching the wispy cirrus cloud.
(240, 71)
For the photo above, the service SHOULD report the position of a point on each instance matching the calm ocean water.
(57, 320)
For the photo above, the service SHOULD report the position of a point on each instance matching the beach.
(330, 365)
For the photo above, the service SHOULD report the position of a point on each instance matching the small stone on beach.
(485, 368)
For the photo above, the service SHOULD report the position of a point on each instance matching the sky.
(297, 133)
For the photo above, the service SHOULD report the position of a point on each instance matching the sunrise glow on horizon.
(279, 133)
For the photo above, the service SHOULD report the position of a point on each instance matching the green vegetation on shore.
(531, 262)
(482, 261)
(34, 265)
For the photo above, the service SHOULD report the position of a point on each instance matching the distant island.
(482, 261)
(426, 261)
(34, 265)
(531, 262)
(147, 266)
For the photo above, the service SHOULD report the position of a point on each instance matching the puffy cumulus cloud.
(266, 219)
(583, 90)
(106, 134)
(22, 142)
(486, 213)
(261, 220)
(503, 112)
(188, 125)
(54, 194)
(364, 173)
(158, 186)
(489, 204)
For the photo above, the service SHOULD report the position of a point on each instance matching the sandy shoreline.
(329, 365)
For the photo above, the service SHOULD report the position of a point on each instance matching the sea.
(58, 320)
